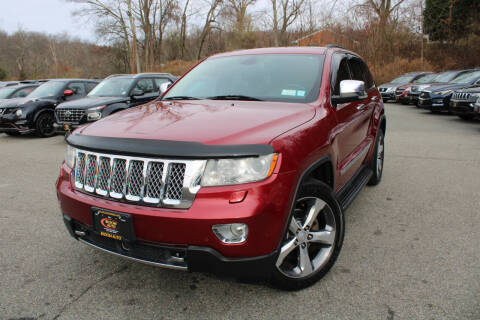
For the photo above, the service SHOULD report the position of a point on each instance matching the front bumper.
(11, 123)
(264, 210)
(65, 127)
(463, 107)
(388, 95)
(433, 103)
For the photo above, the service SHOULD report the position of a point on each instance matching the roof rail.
(334, 46)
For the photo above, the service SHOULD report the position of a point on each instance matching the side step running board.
(353, 187)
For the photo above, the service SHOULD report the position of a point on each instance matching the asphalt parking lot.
(411, 247)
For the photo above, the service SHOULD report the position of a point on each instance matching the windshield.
(403, 79)
(445, 76)
(6, 92)
(426, 78)
(112, 87)
(49, 89)
(467, 78)
(270, 77)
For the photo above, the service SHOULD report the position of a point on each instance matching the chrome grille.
(461, 96)
(69, 114)
(166, 183)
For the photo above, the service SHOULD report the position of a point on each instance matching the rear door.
(350, 119)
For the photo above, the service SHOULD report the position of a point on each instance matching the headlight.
(391, 89)
(443, 93)
(70, 156)
(224, 172)
(95, 113)
(19, 113)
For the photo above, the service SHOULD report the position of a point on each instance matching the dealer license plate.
(113, 225)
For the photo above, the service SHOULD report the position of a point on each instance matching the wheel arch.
(42, 111)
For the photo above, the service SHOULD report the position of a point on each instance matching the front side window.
(341, 72)
(445, 76)
(48, 89)
(145, 85)
(77, 88)
(269, 77)
(426, 78)
(112, 87)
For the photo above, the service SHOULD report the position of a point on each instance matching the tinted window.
(6, 92)
(48, 89)
(467, 78)
(89, 86)
(341, 72)
(146, 85)
(159, 81)
(23, 92)
(403, 79)
(369, 83)
(77, 88)
(445, 76)
(426, 78)
(270, 77)
(112, 87)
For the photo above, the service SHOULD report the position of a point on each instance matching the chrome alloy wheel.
(380, 154)
(310, 239)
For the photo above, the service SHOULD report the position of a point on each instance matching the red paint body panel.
(300, 133)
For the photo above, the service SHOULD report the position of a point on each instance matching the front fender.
(114, 108)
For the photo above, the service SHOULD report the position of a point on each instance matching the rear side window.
(89, 86)
(146, 85)
(159, 81)
(77, 88)
(23, 92)
(340, 72)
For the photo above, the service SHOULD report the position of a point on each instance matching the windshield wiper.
(181, 98)
(234, 97)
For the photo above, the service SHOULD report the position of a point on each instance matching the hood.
(472, 89)
(12, 103)
(445, 86)
(390, 85)
(89, 102)
(207, 122)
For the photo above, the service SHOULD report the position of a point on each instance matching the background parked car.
(115, 93)
(463, 102)
(401, 94)
(17, 91)
(441, 78)
(35, 113)
(387, 90)
(437, 97)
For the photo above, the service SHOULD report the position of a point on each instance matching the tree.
(210, 18)
(284, 14)
(3, 74)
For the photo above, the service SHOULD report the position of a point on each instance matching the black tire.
(13, 134)
(331, 214)
(466, 116)
(405, 102)
(435, 111)
(378, 157)
(44, 125)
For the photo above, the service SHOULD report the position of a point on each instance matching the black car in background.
(441, 78)
(436, 98)
(16, 91)
(465, 103)
(15, 83)
(387, 90)
(115, 93)
(35, 113)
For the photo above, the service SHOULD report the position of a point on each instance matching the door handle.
(361, 107)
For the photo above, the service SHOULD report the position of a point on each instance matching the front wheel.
(312, 240)
(376, 164)
(44, 125)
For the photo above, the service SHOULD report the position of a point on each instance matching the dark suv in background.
(35, 113)
(465, 102)
(436, 98)
(115, 93)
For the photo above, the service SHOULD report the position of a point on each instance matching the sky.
(50, 16)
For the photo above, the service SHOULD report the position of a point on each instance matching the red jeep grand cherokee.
(245, 166)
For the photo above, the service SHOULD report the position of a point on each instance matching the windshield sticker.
(301, 93)
(286, 92)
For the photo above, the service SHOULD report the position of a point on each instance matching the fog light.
(231, 233)
(93, 116)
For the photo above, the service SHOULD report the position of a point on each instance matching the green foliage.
(450, 20)
(3, 74)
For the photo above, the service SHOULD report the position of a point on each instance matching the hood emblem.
(68, 113)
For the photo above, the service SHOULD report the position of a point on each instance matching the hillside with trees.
(394, 36)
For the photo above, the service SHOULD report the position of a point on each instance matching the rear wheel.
(44, 125)
(313, 239)
(376, 164)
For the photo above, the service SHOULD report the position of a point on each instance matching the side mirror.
(68, 93)
(137, 92)
(350, 90)
(164, 87)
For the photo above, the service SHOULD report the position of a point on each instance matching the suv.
(436, 98)
(115, 93)
(403, 91)
(465, 102)
(16, 91)
(245, 166)
(35, 113)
